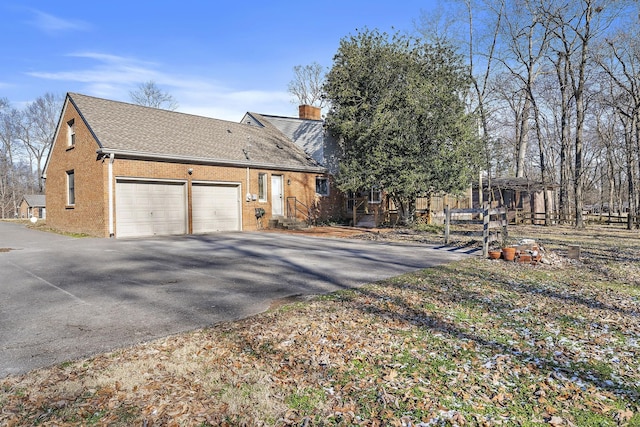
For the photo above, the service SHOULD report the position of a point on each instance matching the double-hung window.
(262, 187)
(322, 186)
(71, 188)
(375, 195)
(71, 133)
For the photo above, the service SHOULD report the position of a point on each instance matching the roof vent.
(229, 130)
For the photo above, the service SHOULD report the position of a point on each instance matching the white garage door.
(215, 208)
(150, 208)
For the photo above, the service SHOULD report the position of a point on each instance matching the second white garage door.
(150, 208)
(215, 208)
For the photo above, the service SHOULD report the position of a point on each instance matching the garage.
(150, 208)
(215, 207)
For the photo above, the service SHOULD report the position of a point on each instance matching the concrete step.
(367, 221)
(287, 223)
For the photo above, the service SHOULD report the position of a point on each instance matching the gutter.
(208, 161)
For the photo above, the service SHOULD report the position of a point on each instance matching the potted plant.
(495, 253)
(508, 252)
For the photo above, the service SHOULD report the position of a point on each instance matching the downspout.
(248, 188)
(110, 177)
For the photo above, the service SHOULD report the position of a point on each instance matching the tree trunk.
(565, 134)
(523, 137)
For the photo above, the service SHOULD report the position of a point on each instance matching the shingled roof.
(35, 200)
(135, 131)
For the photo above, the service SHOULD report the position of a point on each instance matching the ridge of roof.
(288, 117)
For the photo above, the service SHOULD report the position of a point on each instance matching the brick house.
(123, 170)
(308, 132)
(33, 206)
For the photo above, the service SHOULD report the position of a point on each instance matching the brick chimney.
(309, 112)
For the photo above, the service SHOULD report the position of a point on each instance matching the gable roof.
(134, 131)
(35, 200)
(308, 134)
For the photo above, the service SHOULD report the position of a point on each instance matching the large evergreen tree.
(397, 106)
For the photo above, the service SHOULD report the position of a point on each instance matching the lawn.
(477, 342)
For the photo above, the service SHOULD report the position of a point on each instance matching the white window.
(375, 195)
(71, 133)
(71, 188)
(322, 186)
(262, 187)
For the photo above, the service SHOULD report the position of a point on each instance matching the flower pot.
(495, 254)
(524, 258)
(509, 254)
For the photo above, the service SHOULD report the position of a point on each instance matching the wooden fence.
(492, 219)
(553, 218)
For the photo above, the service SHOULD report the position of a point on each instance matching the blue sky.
(218, 59)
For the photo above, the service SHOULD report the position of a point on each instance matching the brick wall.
(88, 214)
(24, 210)
(295, 184)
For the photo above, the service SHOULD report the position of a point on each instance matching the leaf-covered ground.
(477, 342)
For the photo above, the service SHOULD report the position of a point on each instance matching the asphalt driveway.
(65, 298)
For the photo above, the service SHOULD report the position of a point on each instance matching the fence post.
(503, 216)
(447, 221)
(485, 232)
(355, 201)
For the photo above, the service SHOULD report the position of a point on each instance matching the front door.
(277, 202)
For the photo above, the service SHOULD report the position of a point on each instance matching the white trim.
(264, 199)
(111, 201)
(151, 180)
(71, 133)
(68, 174)
(55, 136)
(210, 161)
(277, 208)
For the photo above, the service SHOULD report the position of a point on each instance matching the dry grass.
(476, 342)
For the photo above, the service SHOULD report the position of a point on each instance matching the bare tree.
(307, 84)
(576, 25)
(482, 80)
(8, 196)
(149, 94)
(527, 39)
(37, 129)
(620, 60)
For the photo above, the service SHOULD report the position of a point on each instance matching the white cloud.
(113, 77)
(231, 105)
(110, 69)
(50, 23)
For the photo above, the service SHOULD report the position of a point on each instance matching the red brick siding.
(88, 215)
(297, 184)
(24, 210)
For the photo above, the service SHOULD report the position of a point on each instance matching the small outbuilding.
(33, 206)
(526, 200)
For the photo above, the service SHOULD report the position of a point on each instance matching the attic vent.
(279, 146)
